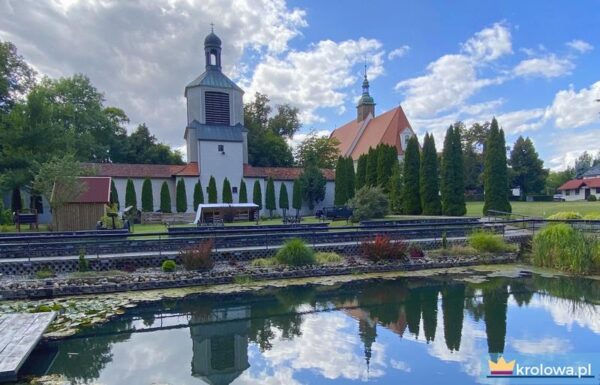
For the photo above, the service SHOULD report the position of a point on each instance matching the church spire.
(366, 104)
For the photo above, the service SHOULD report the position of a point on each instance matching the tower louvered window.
(217, 107)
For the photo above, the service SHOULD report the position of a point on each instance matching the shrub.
(108, 222)
(487, 242)
(147, 196)
(243, 279)
(592, 217)
(454, 251)
(562, 247)
(82, 264)
(180, 196)
(226, 195)
(168, 266)
(381, 248)
(198, 195)
(323, 258)
(44, 272)
(263, 262)
(415, 252)
(130, 195)
(295, 252)
(198, 257)
(368, 203)
(165, 198)
(592, 198)
(5, 216)
(565, 215)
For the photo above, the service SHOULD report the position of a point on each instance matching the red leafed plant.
(415, 252)
(382, 248)
(198, 257)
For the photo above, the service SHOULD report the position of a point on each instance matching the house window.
(567, 192)
(221, 148)
(217, 108)
(597, 190)
(234, 190)
(576, 191)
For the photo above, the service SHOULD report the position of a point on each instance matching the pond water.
(405, 331)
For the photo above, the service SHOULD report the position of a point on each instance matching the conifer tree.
(430, 197)
(452, 174)
(165, 198)
(396, 190)
(270, 197)
(198, 195)
(341, 186)
(527, 167)
(243, 195)
(386, 159)
(180, 197)
(495, 171)
(411, 191)
(227, 196)
(212, 190)
(371, 174)
(257, 195)
(114, 195)
(297, 196)
(130, 195)
(350, 178)
(361, 172)
(147, 196)
(284, 203)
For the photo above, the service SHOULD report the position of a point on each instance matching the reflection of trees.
(495, 304)
(413, 312)
(580, 290)
(521, 292)
(453, 304)
(429, 306)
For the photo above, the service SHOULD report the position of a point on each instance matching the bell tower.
(366, 104)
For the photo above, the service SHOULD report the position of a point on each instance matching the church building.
(369, 130)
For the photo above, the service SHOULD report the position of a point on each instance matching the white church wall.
(121, 186)
(220, 165)
(190, 183)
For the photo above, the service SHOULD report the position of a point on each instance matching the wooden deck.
(19, 334)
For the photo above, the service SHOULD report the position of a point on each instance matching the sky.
(534, 65)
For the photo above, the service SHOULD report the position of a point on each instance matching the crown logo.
(501, 367)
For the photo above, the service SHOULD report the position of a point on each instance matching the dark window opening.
(217, 108)
(577, 192)
(234, 189)
(221, 148)
(567, 192)
(597, 190)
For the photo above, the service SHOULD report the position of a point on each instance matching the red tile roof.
(281, 173)
(574, 184)
(127, 170)
(95, 190)
(385, 128)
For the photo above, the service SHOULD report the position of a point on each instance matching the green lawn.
(540, 209)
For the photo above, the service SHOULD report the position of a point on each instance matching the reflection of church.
(220, 344)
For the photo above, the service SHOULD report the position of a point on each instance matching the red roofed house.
(85, 210)
(581, 188)
(368, 131)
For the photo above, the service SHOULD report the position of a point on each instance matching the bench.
(30, 219)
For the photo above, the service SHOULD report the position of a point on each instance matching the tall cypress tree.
(284, 202)
(212, 190)
(340, 194)
(411, 191)
(227, 197)
(396, 190)
(181, 197)
(257, 195)
(130, 195)
(452, 174)
(243, 195)
(198, 195)
(350, 178)
(371, 174)
(114, 195)
(297, 196)
(147, 196)
(495, 171)
(386, 159)
(430, 194)
(165, 198)
(361, 172)
(270, 197)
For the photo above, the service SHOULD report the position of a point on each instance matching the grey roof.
(214, 78)
(218, 133)
(594, 171)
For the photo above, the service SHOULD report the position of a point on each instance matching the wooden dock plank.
(19, 334)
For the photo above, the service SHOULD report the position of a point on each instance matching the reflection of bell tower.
(220, 349)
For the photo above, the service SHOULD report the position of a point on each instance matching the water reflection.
(374, 331)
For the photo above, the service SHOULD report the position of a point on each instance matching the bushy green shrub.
(168, 265)
(82, 264)
(565, 215)
(565, 248)
(295, 252)
(592, 198)
(108, 222)
(382, 248)
(487, 242)
(5, 216)
(368, 203)
(44, 272)
(263, 262)
(198, 257)
(330, 258)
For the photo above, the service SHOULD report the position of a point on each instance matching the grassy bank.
(540, 209)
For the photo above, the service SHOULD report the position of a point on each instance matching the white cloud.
(490, 43)
(400, 365)
(548, 345)
(520, 121)
(549, 66)
(568, 146)
(580, 46)
(398, 52)
(571, 109)
(316, 78)
(300, 137)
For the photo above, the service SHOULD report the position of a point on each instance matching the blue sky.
(533, 65)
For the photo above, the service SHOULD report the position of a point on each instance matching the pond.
(409, 331)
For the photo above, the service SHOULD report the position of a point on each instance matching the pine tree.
(181, 197)
(212, 190)
(270, 197)
(165, 198)
(257, 195)
(341, 186)
(350, 178)
(130, 195)
(411, 190)
(396, 190)
(371, 174)
(297, 196)
(226, 193)
(114, 195)
(243, 195)
(284, 203)
(361, 172)
(430, 197)
(495, 171)
(198, 195)
(452, 174)
(147, 197)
